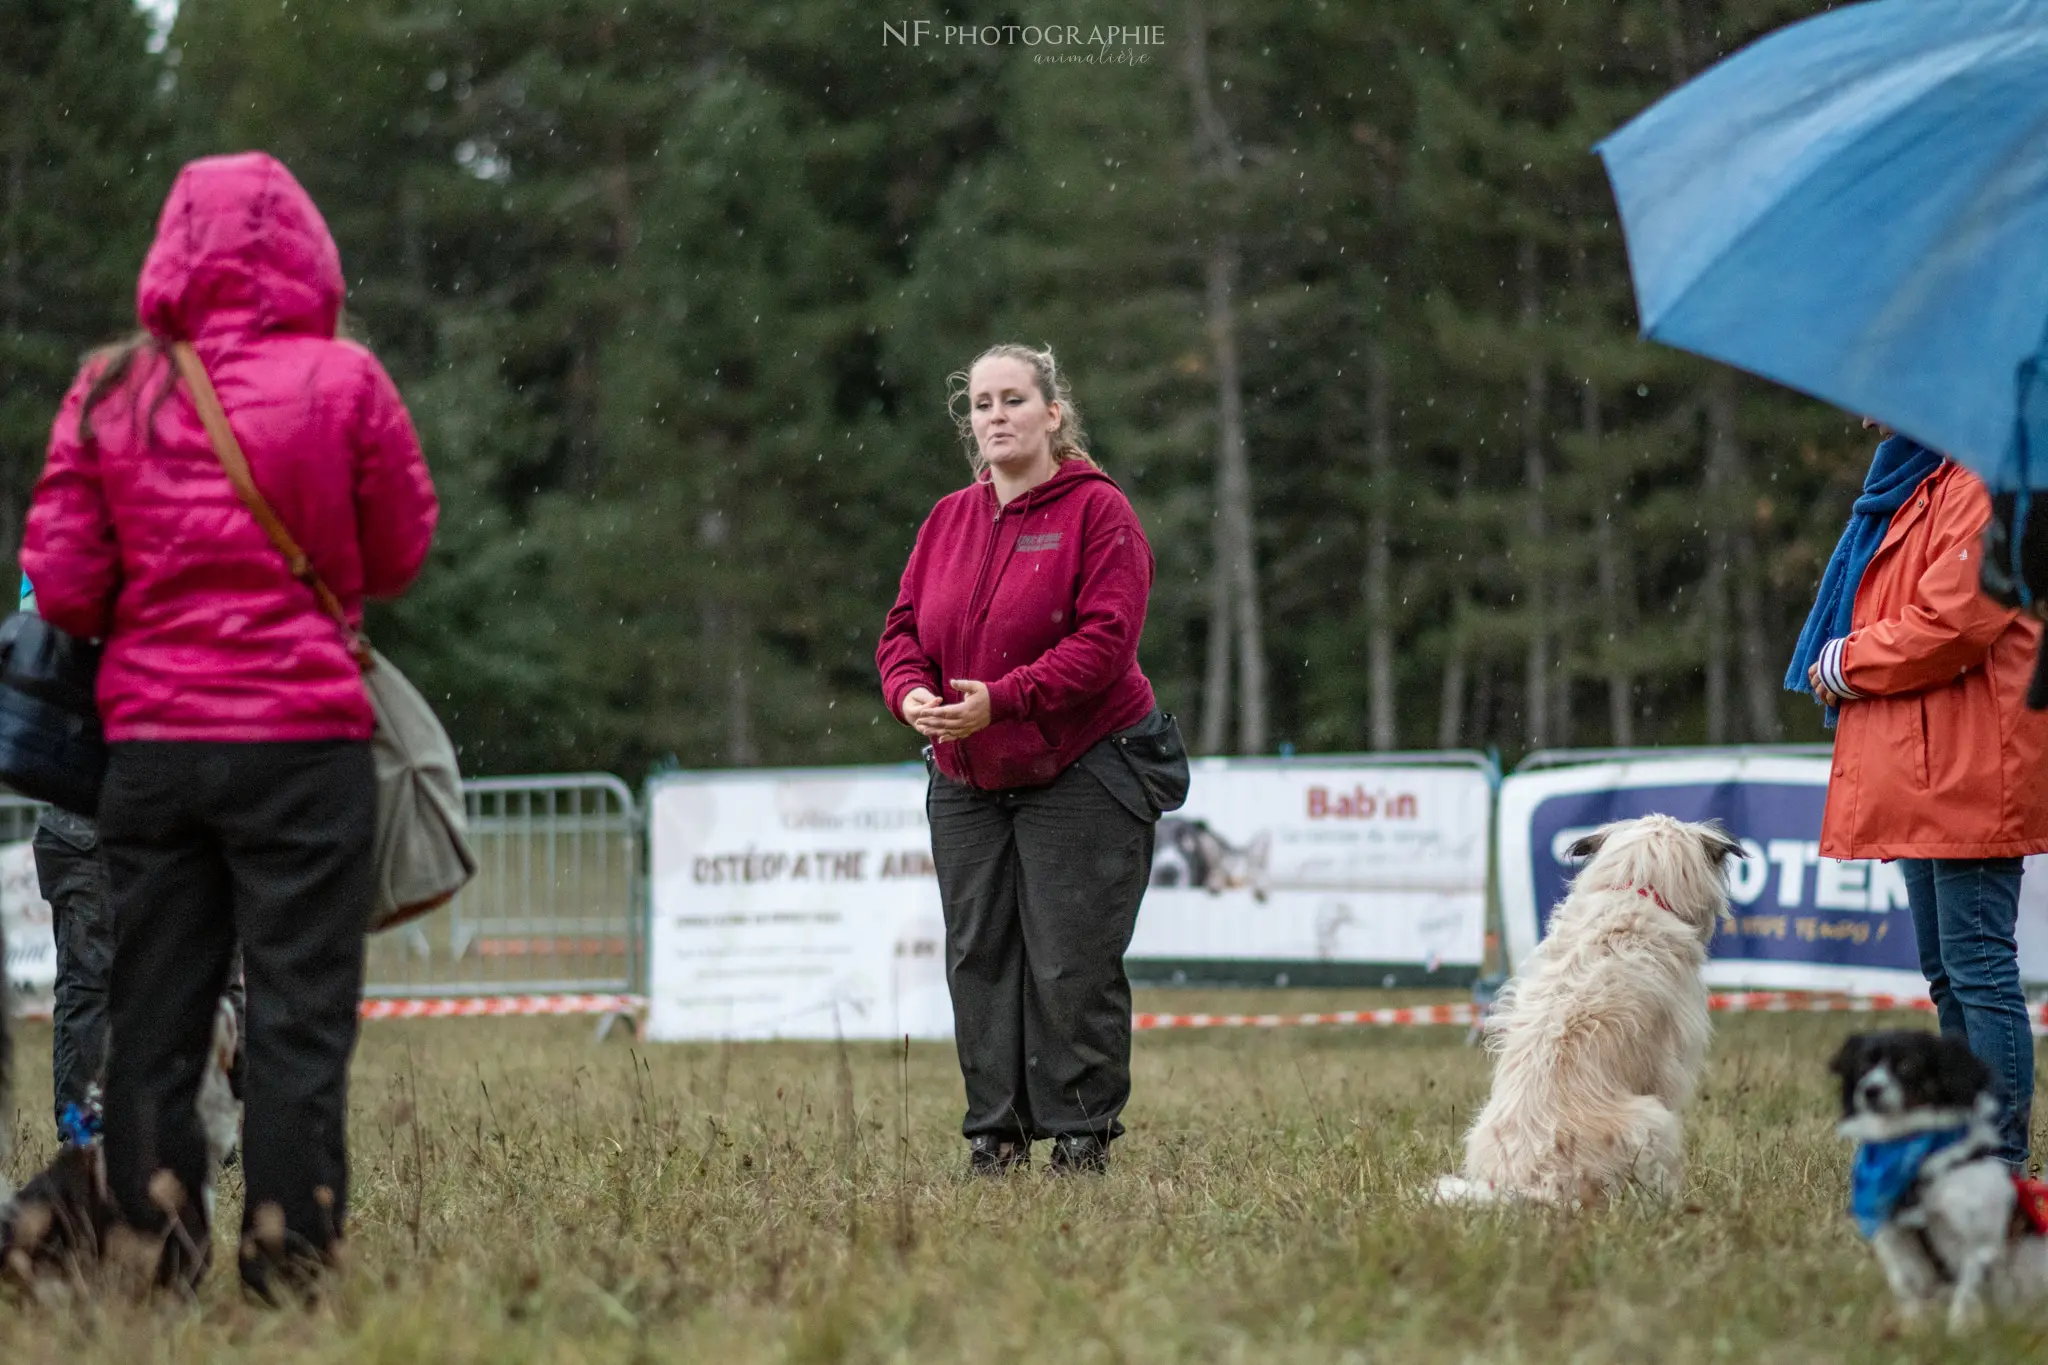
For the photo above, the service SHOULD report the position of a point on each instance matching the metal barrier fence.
(556, 904)
(556, 911)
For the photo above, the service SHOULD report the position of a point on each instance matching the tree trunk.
(1450, 716)
(725, 636)
(1211, 149)
(1677, 42)
(739, 728)
(1762, 683)
(1714, 507)
(1761, 675)
(11, 289)
(1621, 719)
(1535, 475)
(1236, 596)
(1216, 679)
(1234, 503)
(617, 176)
(1379, 551)
(1488, 705)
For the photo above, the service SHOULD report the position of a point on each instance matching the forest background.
(673, 290)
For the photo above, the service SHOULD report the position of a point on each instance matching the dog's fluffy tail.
(1456, 1189)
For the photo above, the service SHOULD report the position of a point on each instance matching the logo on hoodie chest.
(1038, 542)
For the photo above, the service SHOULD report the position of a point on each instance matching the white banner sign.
(802, 903)
(1305, 865)
(26, 929)
(794, 904)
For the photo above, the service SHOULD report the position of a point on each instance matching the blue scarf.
(1884, 1171)
(1900, 466)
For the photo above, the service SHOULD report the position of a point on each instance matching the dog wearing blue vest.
(1950, 1222)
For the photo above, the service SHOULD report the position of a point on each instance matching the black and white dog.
(1949, 1220)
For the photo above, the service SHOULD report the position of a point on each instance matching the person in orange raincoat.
(1937, 760)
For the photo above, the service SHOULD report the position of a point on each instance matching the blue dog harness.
(1884, 1173)
(79, 1125)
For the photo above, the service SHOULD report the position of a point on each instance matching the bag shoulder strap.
(229, 452)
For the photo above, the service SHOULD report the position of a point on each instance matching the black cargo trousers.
(73, 880)
(206, 843)
(1040, 887)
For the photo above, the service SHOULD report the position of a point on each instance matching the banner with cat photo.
(25, 927)
(1796, 920)
(802, 903)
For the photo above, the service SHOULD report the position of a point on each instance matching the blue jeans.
(1965, 914)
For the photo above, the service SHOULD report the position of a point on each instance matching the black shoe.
(991, 1155)
(1083, 1153)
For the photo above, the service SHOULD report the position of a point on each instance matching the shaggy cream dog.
(1601, 1036)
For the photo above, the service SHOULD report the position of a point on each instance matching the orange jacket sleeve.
(1949, 626)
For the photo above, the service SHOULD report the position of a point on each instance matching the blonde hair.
(1068, 439)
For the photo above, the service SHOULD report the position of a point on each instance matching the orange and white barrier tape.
(502, 1006)
(1420, 1014)
(1796, 1002)
(1805, 1002)
(1740, 1002)
(1463, 1013)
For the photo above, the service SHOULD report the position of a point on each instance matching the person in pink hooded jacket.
(240, 798)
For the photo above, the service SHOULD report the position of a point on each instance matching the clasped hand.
(1822, 693)
(939, 721)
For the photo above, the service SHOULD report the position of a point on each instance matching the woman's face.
(1013, 423)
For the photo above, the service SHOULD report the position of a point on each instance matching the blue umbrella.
(1857, 206)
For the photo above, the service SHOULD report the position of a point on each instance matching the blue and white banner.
(1796, 921)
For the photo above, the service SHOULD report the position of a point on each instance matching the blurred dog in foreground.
(1949, 1220)
(6, 1078)
(60, 1221)
(1601, 1036)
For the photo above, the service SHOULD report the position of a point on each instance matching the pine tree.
(82, 172)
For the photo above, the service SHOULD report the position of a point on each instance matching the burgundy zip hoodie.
(1043, 600)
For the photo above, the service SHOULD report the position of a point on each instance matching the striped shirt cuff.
(1831, 670)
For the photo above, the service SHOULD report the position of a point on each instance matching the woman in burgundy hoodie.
(239, 800)
(1013, 647)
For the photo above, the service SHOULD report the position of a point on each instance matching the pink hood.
(240, 247)
(135, 535)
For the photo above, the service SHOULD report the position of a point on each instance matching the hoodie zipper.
(973, 622)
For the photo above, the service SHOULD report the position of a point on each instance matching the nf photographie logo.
(1094, 44)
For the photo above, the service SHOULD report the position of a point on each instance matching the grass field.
(523, 1193)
